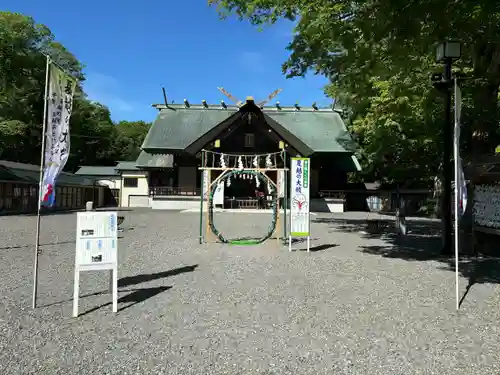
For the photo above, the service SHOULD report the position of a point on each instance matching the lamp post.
(447, 52)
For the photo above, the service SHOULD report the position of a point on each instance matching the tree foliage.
(379, 56)
(95, 139)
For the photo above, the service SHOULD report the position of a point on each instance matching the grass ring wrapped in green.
(243, 241)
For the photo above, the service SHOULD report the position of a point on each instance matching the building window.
(130, 182)
(249, 139)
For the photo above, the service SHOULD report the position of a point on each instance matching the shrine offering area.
(357, 304)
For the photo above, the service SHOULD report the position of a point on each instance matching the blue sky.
(131, 49)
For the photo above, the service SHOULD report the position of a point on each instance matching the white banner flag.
(300, 199)
(57, 141)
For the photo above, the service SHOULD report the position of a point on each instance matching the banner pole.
(42, 157)
(202, 194)
(457, 186)
(285, 197)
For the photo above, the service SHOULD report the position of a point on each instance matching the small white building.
(129, 186)
(135, 185)
(107, 176)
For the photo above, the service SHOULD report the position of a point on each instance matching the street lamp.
(448, 50)
(446, 53)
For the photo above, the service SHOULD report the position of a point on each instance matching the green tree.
(129, 138)
(23, 47)
(23, 44)
(92, 135)
(379, 56)
(13, 135)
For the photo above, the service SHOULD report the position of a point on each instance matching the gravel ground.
(356, 305)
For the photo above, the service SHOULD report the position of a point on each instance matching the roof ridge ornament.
(269, 98)
(239, 103)
(230, 97)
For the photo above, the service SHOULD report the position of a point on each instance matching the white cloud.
(105, 89)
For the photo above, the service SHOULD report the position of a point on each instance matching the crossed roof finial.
(239, 103)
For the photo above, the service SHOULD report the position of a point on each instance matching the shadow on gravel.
(319, 247)
(422, 243)
(80, 297)
(31, 245)
(137, 296)
(482, 270)
(137, 279)
(303, 240)
(132, 280)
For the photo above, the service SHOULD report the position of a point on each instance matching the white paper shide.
(205, 184)
(218, 199)
(281, 183)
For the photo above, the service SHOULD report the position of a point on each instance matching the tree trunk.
(437, 195)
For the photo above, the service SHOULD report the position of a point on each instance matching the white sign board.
(300, 200)
(219, 194)
(96, 249)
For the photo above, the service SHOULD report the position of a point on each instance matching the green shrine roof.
(177, 129)
(88, 170)
(29, 173)
(320, 131)
(178, 126)
(126, 166)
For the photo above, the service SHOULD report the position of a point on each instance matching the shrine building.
(171, 151)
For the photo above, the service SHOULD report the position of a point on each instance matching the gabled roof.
(20, 166)
(175, 129)
(88, 170)
(317, 130)
(282, 132)
(320, 131)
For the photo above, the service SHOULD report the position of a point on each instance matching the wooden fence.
(19, 197)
